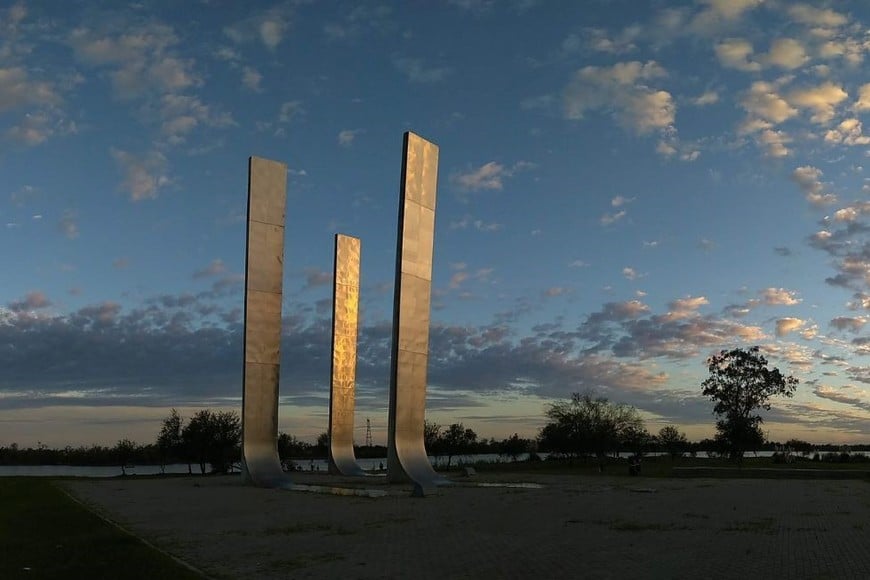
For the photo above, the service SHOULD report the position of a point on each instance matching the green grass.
(45, 534)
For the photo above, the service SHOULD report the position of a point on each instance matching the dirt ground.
(569, 527)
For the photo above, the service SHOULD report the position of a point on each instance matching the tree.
(432, 437)
(514, 446)
(673, 441)
(212, 438)
(124, 451)
(586, 424)
(457, 440)
(289, 447)
(739, 385)
(226, 430)
(169, 440)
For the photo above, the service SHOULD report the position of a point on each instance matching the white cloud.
(268, 27)
(144, 176)
(290, 110)
(17, 89)
(808, 179)
(719, 13)
(812, 16)
(417, 72)
(683, 308)
(622, 89)
(629, 273)
(774, 143)
(785, 326)
(762, 101)
(608, 219)
(863, 102)
(849, 49)
(848, 132)
(141, 57)
(734, 53)
(215, 268)
(822, 100)
(787, 53)
(619, 201)
(707, 98)
(68, 224)
(779, 297)
(488, 176)
(600, 40)
(346, 137)
(251, 78)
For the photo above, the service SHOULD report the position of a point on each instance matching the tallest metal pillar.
(264, 273)
(406, 453)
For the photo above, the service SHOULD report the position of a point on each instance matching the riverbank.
(572, 526)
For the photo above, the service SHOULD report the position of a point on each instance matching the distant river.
(301, 464)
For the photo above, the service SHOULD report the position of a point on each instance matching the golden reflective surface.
(345, 319)
(264, 272)
(406, 454)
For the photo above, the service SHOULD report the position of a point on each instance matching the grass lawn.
(45, 534)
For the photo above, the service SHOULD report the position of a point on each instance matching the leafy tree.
(739, 385)
(169, 442)
(673, 441)
(636, 439)
(514, 446)
(321, 447)
(226, 437)
(124, 451)
(432, 437)
(212, 438)
(457, 440)
(586, 424)
(289, 446)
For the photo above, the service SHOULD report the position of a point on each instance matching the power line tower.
(368, 432)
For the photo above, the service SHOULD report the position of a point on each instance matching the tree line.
(740, 384)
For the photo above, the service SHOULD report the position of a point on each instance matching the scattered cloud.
(611, 218)
(808, 179)
(821, 100)
(215, 268)
(489, 176)
(346, 137)
(417, 71)
(68, 224)
(623, 90)
(251, 79)
(315, 277)
(144, 175)
(35, 300)
(786, 326)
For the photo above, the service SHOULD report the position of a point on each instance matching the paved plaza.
(570, 527)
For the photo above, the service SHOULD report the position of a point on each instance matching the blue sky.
(624, 189)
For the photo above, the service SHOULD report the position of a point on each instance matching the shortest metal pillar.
(345, 318)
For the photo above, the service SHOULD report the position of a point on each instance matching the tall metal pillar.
(406, 453)
(264, 271)
(345, 317)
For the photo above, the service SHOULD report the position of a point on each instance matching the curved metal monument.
(264, 271)
(345, 317)
(406, 453)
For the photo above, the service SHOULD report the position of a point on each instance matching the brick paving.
(572, 527)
